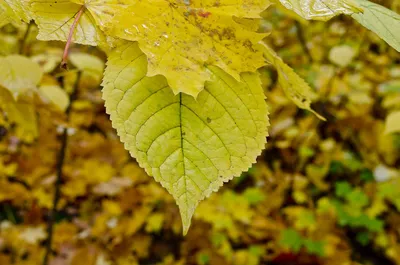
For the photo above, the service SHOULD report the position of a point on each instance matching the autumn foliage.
(326, 189)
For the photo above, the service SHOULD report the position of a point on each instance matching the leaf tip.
(186, 216)
(186, 210)
(322, 118)
(185, 227)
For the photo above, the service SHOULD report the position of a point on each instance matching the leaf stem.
(64, 62)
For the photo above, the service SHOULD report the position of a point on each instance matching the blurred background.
(321, 192)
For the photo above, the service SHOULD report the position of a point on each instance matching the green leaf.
(366, 175)
(357, 198)
(256, 251)
(336, 167)
(342, 188)
(291, 240)
(384, 22)
(372, 224)
(391, 191)
(363, 238)
(351, 161)
(292, 84)
(191, 146)
(306, 220)
(203, 259)
(254, 195)
(314, 247)
(19, 74)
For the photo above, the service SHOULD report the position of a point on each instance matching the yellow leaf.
(96, 171)
(392, 123)
(112, 207)
(16, 10)
(44, 198)
(49, 60)
(21, 114)
(56, 95)
(103, 11)
(377, 207)
(181, 38)
(382, 21)
(55, 18)
(290, 13)
(294, 86)
(19, 74)
(84, 256)
(87, 62)
(33, 235)
(4, 18)
(154, 222)
(191, 146)
(342, 55)
(90, 65)
(322, 9)
(28, 125)
(102, 260)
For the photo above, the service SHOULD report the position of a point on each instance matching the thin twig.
(57, 194)
(22, 44)
(50, 224)
(64, 62)
(302, 40)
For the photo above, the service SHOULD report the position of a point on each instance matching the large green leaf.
(191, 146)
(384, 22)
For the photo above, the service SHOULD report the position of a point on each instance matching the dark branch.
(22, 45)
(302, 40)
(57, 194)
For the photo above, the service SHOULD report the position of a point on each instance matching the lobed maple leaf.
(180, 38)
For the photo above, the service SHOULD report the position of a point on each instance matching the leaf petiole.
(64, 62)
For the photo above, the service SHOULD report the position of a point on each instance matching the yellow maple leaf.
(180, 38)
(4, 17)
